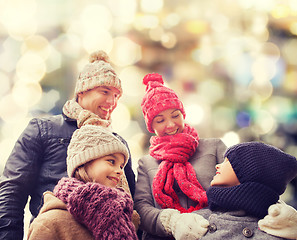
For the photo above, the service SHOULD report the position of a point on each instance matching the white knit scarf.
(73, 110)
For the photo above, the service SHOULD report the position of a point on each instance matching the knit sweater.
(105, 211)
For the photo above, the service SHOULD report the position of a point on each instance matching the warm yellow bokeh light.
(10, 110)
(151, 6)
(264, 123)
(197, 27)
(280, 11)
(30, 68)
(131, 78)
(230, 138)
(125, 10)
(97, 40)
(168, 40)
(27, 94)
(18, 18)
(38, 45)
(125, 52)
(195, 114)
(120, 118)
(96, 16)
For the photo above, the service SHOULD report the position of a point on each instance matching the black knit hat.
(263, 172)
(262, 163)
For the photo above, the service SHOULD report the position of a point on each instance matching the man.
(38, 159)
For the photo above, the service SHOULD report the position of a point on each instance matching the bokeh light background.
(232, 62)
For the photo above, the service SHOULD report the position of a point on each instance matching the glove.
(66, 186)
(281, 221)
(185, 226)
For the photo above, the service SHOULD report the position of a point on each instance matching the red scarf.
(175, 151)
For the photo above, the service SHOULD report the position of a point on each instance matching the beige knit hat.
(98, 72)
(90, 142)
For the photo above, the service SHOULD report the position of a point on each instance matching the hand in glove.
(183, 226)
(281, 221)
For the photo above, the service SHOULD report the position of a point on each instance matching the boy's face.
(225, 175)
(106, 170)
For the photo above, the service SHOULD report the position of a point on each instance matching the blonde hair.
(82, 175)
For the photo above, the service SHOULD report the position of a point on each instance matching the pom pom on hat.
(91, 142)
(153, 78)
(157, 99)
(99, 55)
(98, 72)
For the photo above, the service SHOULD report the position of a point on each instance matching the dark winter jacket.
(36, 164)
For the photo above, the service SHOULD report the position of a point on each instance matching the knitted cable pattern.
(105, 211)
(83, 117)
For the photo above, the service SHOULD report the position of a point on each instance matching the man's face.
(101, 100)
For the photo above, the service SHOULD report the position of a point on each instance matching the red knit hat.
(157, 99)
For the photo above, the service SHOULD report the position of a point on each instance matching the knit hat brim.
(94, 153)
(108, 79)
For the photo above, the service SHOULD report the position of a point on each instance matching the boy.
(251, 178)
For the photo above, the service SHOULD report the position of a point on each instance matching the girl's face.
(168, 122)
(225, 175)
(106, 170)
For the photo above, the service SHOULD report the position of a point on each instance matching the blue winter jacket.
(36, 164)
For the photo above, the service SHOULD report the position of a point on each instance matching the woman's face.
(106, 170)
(168, 122)
(225, 175)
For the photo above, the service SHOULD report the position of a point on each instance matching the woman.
(180, 166)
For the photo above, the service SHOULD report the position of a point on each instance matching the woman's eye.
(175, 116)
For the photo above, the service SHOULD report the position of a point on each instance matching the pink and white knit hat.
(91, 142)
(98, 72)
(157, 99)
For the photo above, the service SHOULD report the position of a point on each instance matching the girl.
(87, 205)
